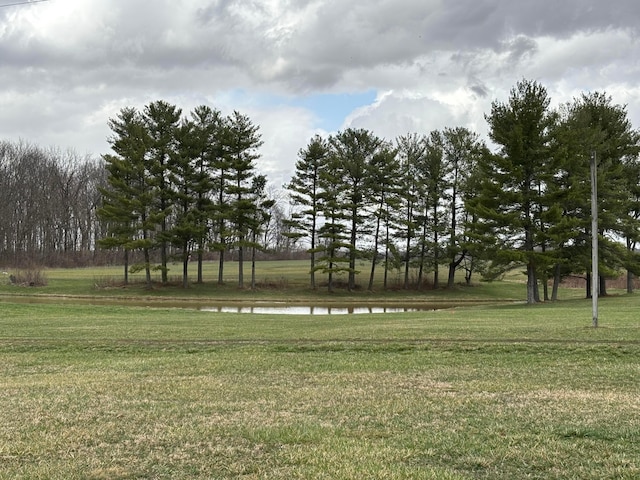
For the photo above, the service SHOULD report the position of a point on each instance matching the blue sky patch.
(331, 109)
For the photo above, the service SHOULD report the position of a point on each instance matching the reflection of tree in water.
(309, 310)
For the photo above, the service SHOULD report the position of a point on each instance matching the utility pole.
(595, 281)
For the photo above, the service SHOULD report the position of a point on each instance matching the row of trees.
(533, 204)
(401, 204)
(445, 198)
(48, 205)
(177, 187)
(184, 184)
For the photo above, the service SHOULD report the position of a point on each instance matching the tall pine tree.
(512, 199)
(305, 194)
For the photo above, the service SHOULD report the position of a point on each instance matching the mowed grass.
(489, 392)
(277, 281)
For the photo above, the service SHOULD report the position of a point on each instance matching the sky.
(299, 68)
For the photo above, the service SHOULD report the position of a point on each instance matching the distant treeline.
(48, 206)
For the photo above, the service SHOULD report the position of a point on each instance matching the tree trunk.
(533, 295)
(436, 256)
(630, 277)
(351, 284)
(126, 266)
(423, 254)
(602, 290)
(185, 264)
(253, 268)
(451, 277)
(545, 289)
(453, 266)
(200, 260)
(468, 268)
(407, 257)
(386, 254)
(556, 283)
(241, 265)
(185, 272)
(375, 254)
(221, 267)
(147, 267)
(313, 254)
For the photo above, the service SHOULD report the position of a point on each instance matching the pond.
(273, 308)
(308, 310)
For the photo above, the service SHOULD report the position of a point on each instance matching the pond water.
(308, 310)
(273, 308)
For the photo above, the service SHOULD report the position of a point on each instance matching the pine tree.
(162, 120)
(241, 143)
(353, 151)
(434, 173)
(385, 198)
(306, 197)
(185, 177)
(412, 150)
(593, 125)
(514, 181)
(128, 201)
(333, 234)
(206, 132)
(462, 149)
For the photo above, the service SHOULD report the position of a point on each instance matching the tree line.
(48, 206)
(396, 204)
(183, 185)
(445, 198)
(176, 187)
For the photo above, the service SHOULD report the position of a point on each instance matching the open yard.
(482, 392)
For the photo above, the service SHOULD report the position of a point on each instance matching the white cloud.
(399, 113)
(70, 65)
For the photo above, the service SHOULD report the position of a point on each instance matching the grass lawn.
(276, 281)
(483, 392)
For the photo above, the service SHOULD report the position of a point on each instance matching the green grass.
(277, 280)
(485, 392)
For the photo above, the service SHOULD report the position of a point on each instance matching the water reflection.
(307, 310)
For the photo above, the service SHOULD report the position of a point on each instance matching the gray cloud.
(67, 65)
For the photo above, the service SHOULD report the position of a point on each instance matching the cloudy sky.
(301, 67)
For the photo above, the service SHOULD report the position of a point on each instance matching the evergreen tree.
(184, 176)
(630, 225)
(221, 211)
(241, 143)
(434, 175)
(128, 200)
(514, 181)
(162, 121)
(385, 198)
(206, 132)
(412, 151)
(353, 151)
(333, 233)
(306, 194)
(592, 126)
(462, 149)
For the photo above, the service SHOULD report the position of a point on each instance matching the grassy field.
(276, 280)
(473, 392)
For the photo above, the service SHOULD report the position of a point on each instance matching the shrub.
(28, 278)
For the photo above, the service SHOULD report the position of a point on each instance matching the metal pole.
(595, 281)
